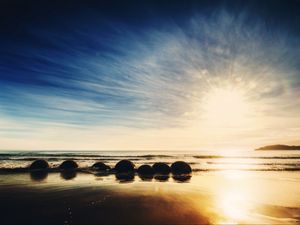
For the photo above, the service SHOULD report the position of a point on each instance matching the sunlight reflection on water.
(225, 197)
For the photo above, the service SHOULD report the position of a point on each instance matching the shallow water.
(200, 160)
(220, 197)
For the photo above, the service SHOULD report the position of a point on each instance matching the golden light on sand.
(226, 107)
(232, 205)
(234, 202)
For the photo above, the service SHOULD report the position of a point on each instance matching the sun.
(225, 107)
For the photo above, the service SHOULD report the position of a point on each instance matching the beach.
(216, 197)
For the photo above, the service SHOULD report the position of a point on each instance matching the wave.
(74, 155)
(255, 163)
(195, 170)
(244, 157)
(148, 156)
(246, 169)
(70, 158)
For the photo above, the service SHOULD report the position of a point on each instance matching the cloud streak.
(148, 79)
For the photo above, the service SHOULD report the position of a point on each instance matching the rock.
(181, 167)
(145, 170)
(124, 166)
(161, 168)
(100, 166)
(68, 164)
(39, 164)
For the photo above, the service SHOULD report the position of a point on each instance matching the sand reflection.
(225, 197)
(233, 206)
(234, 199)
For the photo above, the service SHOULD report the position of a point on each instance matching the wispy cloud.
(151, 78)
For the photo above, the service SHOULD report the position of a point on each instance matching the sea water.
(199, 160)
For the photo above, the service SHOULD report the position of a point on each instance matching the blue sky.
(116, 75)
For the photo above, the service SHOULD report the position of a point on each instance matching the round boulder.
(124, 166)
(100, 166)
(161, 168)
(181, 167)
(39, 164)
(68, 164)
(145, 170)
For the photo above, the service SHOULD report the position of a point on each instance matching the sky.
(149, 75)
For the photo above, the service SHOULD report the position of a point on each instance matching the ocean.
(199, 160)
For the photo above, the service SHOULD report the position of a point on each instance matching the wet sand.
(228, 197)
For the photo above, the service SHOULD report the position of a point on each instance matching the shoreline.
(90, 198)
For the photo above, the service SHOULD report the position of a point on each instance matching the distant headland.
(279, 147)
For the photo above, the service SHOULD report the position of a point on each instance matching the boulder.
(181, 167)
(161, 168)
(39, 164)
(124, 166)
(145, 170)
(100, 166)
(68, 164)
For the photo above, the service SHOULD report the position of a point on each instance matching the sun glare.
(225, 107)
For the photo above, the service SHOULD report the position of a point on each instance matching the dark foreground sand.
(208, 198)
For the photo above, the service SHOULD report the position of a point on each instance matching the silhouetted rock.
(100, 166)
(279, 147)
(145, 170)
(181, 167)
(68, 174)
(68, 164)
(124, 166)
(39, 164)
(38, 175)
(182, 178)
(161, 168)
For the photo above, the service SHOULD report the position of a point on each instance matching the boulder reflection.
(38, 175)
(125, 177)
(162, 178)
(68, 174)
(182, 178)
(146, 177)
